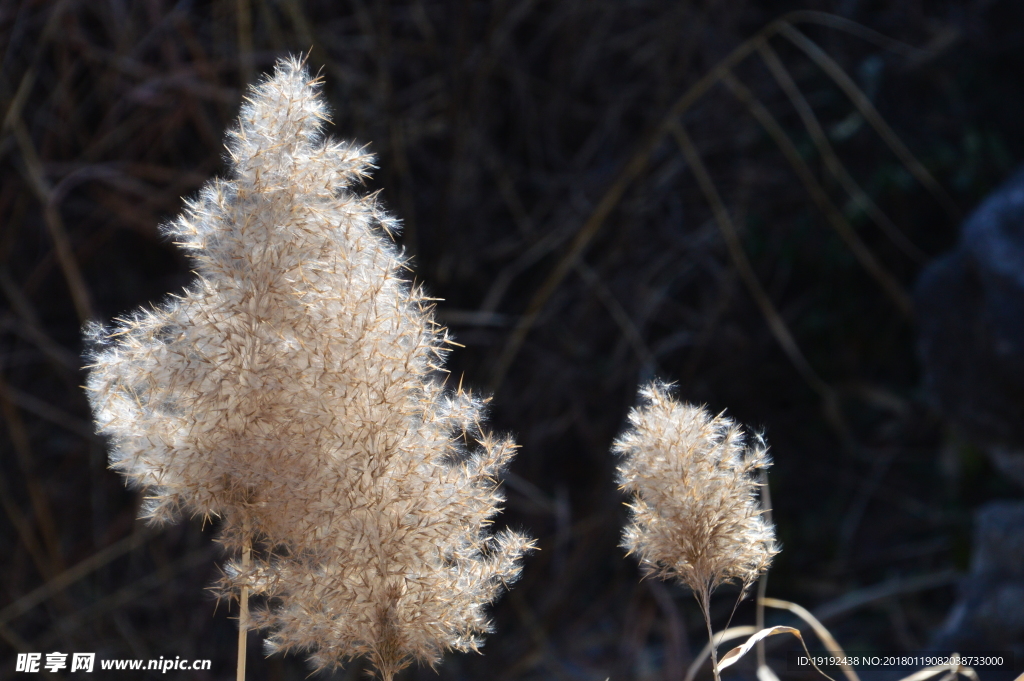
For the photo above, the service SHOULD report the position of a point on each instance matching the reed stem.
(243, 614)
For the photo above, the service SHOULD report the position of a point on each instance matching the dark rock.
(989, 611)
(970, 309)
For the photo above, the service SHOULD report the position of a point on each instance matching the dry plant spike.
(695, 516)
(296, 391)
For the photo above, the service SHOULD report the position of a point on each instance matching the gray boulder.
(970, 309)
(989, 611)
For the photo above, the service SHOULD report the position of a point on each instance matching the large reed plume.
(695, 515)
(295, 390)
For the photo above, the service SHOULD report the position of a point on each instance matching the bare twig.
(835, 217)
(828, 154)
(72, 575)
(778, 326)
(870, 113)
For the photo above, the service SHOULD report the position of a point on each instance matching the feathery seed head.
(694, 512)
(295, 391)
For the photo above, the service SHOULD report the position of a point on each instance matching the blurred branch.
(828, 154)
(41, 511)
(636, 165)
(81, 570)
(54, 223)
(743, 266)
(126, 595)
(835, 217)
(31, 329)
(858, 598)
(868, 110)
(618, 313)
(610, 199)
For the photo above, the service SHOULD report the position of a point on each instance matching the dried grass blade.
(870, 594)
(734, 655)
(870, 113)
(46, 411)
(719, 638)
(819, 629)
(743, 266)
(631, 170)
(762, 586)
(73, 574)
(835, 166)
(610, 200)
(540, 249)
(39, 501)
(126, 595)
(15, 640)
(36, 177)
(30, 328)
(243, 14)
(13, 123)
(618, 314)
(604, 208)
(853, 28)
(17, 103)
(867, 259)
(23, 528)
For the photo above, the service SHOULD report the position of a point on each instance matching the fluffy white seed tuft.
(695, 514)
(295, 391)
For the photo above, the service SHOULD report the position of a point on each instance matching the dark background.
(523, 145)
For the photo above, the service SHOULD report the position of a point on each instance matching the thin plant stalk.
(704, 600)
(243, 614)
(762, 582)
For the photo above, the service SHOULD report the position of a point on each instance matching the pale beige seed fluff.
(295, 390)
(694, 510)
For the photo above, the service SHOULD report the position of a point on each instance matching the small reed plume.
(295, 390)
(695, 515)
